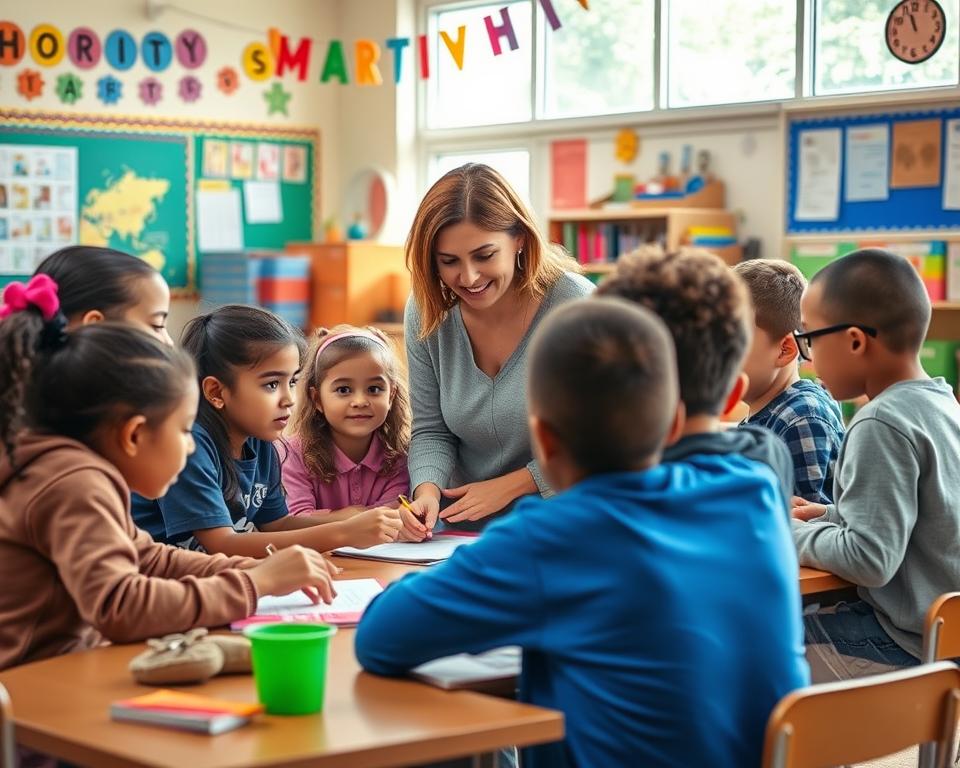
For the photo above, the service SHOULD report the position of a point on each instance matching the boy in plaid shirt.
(799, 411)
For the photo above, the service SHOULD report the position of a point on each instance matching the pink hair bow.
(40, 292)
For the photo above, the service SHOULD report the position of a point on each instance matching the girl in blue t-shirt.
(247, 361)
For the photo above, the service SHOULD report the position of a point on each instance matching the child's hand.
(418, 524)
(478, 500)
(806, 510)
(293, 568)
(379, 525)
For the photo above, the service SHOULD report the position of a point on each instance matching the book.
(187, 711)
(495, 671)
(353, 597)
(426, 552)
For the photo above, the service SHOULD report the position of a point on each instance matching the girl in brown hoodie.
(85, 417)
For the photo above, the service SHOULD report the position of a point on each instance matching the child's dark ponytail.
(231, 337)
(72, 383)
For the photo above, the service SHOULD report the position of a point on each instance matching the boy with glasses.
(896, 518)
(798, 411)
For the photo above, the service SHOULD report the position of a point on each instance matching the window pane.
(490, 90)
(851, 50)
(599, 61)
(512, 164)
(726, 51)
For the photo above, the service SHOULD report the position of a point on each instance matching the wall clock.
(915, 30)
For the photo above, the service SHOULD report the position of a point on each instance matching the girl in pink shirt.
(352, 428)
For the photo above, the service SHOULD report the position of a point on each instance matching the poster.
(868, 163)
(295, 164)
(216, 156)
(38, 204)
(241, 160)
(916, 154)
(818, 185)
(951, 181)
(268, 161)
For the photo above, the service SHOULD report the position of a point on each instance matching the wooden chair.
(7, 746)
(858, 720)
(941, 629)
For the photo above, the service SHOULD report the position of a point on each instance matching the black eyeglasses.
(803, 338)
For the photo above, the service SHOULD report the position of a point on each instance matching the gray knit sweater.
(468, 427)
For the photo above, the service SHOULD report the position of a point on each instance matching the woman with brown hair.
(483, 276)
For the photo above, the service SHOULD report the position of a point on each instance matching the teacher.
(483, 276)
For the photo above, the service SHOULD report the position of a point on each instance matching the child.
(248, 361)
(707, 309)
(628, 589)
(103, 284)
(896, 516)
(77, 433)
(798, 410)
(352, 428)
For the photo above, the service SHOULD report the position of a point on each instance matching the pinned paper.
(241, 160)
(109, 89)
(46, 45)
(213, 185)
(216, 155)
(151, 91)
(276, 99)
(951, 181)
(227, 80)
(456, 46)
(818, 185)
(268, 161)
(219, 221)
(868, 155)
(261, 201)
(916, 154)
(295, 164)
(189, 88)
(30, 84)
(69, 88)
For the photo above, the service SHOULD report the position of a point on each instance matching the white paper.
(868, 163)
(464, 669)
(261, 199)
(818, 184)
(440, 547)
(353, 596)
(219, 220)
(951, 180)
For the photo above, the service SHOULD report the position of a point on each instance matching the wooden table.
(61, 707)
(813, 581)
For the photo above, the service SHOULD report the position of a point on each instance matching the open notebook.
(495, 671)
(426, 552)
(353, 597)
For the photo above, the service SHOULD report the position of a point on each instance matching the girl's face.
(478, 266)
(259, 401)
(355, 396)
(162, 449)
(153, 307)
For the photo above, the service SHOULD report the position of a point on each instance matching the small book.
(187, 711)
(353, 597)
(493, 672)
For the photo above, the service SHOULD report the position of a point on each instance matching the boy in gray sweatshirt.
(895, 521)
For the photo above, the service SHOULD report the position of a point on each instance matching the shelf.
(946, 306)
(628, 213)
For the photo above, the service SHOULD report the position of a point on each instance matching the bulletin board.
(904, 209)
(136, 183)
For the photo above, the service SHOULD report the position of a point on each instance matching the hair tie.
(347, 335)
(54, 333)
(40, 292)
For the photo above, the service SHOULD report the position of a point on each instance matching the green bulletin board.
(136, 181)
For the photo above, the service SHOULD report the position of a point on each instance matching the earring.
(519, 262)
(446, 294)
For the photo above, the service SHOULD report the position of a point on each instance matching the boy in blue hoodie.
(656, 605)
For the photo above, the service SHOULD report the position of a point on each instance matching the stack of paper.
(353, 597)
(495, 671)
(426, 552)
(187, 711)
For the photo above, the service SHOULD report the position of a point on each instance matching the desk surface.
(813, 581)
(61, 706)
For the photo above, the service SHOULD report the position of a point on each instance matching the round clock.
(915, 30)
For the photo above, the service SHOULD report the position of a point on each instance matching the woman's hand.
(805, 510)
(420, 519)
(475, 501)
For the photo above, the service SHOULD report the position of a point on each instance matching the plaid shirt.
(808, 420)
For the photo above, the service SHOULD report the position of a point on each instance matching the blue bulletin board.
(914, 208)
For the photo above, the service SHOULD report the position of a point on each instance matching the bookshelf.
(640, 224)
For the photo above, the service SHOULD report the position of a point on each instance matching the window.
(851, 51)
(513, 165)
(489, 90)
(729, 51)
(599, 62)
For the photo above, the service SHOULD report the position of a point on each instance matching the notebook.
(187, 711)
(495, 671)
(353, 597)
(426, 552)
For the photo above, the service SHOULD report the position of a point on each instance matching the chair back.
(941, 629)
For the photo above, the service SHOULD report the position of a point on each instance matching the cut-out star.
(69, 88)
(151, 91)
(30, 84)
(228, 80)
(277, 99)
(109, 89)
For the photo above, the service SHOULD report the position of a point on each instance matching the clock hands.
(913, 22)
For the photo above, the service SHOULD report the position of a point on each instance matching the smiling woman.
(483, 276)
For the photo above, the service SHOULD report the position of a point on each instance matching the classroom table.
(61, 707)
(813, 582)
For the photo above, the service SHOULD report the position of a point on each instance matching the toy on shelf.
(357, 230)
(332, 233)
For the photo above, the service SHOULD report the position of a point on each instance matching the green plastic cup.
(290, 665)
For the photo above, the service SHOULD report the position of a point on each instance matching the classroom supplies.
(187, 711)
(494, 672)
(428, 552)
(353, 597)
(290, 666)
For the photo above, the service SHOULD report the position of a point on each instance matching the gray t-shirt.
(468, 427)
(895, 524)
